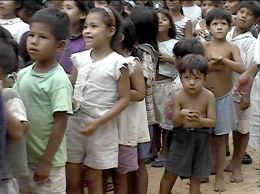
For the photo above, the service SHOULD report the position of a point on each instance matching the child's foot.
(236, 177)
(229, 167)
(219, 185)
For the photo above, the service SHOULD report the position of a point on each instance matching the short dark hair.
(253, 6)
(55, 19)
(194, 62)
(172, 30)
(188, 46)
(218, 13)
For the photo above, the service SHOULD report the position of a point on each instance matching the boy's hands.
(191, 114)
(42, 172)
(214, 58)
(163, 58)
(90, 127)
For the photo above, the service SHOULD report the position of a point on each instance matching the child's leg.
(241, 145)
(141, 178)
(94, 178)
(167, 182)
(75, 177)
(120, 183)
(194, 186)
(220, 155)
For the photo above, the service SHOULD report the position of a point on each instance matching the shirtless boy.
(194, 114)
(223, 58)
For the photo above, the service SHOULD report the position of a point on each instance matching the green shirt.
(44, 94)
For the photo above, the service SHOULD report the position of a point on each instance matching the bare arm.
(137, 92)
(121, 104)
(177, 117)
(188, 29)
(73, 75)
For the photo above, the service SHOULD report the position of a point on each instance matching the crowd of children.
(95, 90)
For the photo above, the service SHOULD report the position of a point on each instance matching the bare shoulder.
(208, 94)
(179, 94)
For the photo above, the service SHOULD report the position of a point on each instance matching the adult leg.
(74, 177)
(94, 178)
(167, 182)
(220, 155)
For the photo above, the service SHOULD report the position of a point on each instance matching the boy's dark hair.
(188, 46)
(218, 13)
(32, 6)
(9, 61)
(194, 62)
(166, 13)
(253, 6)
(55, 19)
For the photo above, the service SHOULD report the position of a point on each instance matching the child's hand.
(193, 115)
(214, 58)
(245, 102)
(90, 127)
(163, 58)
(42, 172)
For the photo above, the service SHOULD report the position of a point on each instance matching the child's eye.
(43, 37)
(31, 35)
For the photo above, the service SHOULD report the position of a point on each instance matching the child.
(9, 20)
(193, 115)
(191, 10)
(132, 130)
(46, 92)
(77, 11)
(166, 73)
(241, 36)
(200, 30)
(182, 23)
(224, 58)
(17, 124)
(146, 23)
(102, 91)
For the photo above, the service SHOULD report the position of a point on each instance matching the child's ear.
(206, 77)
(61, 45)
(83, 15)
(111, 31)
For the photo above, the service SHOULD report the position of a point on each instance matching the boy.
(46, 92)
(224, 58)
(193, 115)
(241, 36)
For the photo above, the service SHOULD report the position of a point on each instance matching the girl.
(183, 24)
(146, 23)
(200, 30)
(9, 20)
(77, 11)
(102, 92)
(132, 130)
(164, 78)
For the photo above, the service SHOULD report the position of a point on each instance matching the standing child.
(164, 81)
(182, 23)
(77, 11)
(241, 36)
(102, 92)
(9, 20)
(132, 130)
(193, 115)
(17, 124)
(146, 23)
(46, 92)
(224, 58)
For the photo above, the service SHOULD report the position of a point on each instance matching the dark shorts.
(188, 155)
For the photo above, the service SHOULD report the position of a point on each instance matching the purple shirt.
(74, 45)
(2, 134)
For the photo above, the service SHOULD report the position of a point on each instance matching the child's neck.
(75, 30)
(176, 14)
(101, 52)
(45, 66)
(163, 36)
(219, 41)
(238, 31)
(7, 17)
(187, 3)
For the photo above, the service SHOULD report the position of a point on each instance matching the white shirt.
(193, 12)
(257, 51)
(16, 27)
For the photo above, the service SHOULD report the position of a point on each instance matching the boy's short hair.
(194, 62)
(218, 13)
(58, 22)
(188, 46)
(253, 6)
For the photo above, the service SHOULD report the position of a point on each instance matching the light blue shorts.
(226, 120)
